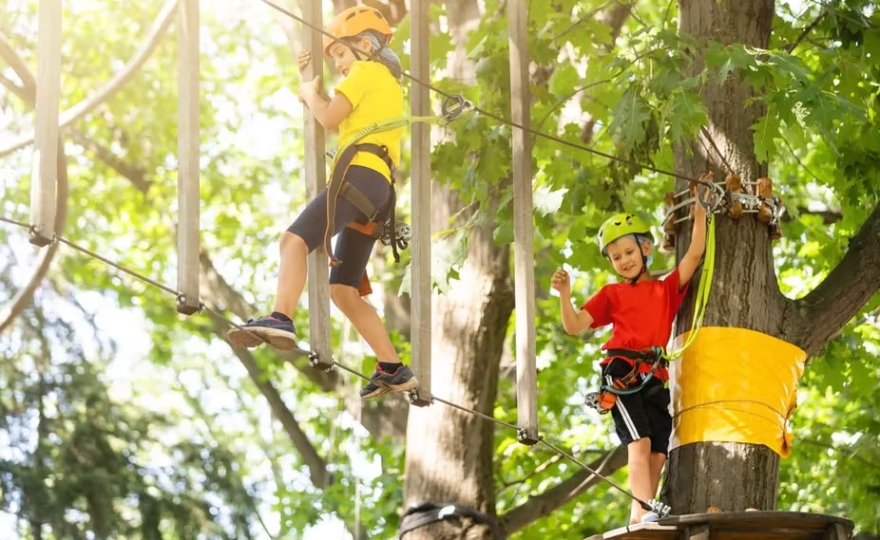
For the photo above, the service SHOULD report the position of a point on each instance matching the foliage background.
(120, 419)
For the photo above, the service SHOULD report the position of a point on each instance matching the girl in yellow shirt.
(369, 93)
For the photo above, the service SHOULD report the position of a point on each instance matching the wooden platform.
(738, 526)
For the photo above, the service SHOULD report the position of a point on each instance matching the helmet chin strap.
(359, 55)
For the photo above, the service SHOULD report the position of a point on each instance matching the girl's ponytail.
(384, 55)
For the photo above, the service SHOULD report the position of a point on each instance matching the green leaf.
(564, 80)
(766, 129)
(685, 114)
(628, 126)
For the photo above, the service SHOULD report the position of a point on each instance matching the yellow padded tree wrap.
(735, 385)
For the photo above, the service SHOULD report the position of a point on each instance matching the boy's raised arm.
(691, 259)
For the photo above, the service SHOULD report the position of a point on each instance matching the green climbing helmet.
(621, 225)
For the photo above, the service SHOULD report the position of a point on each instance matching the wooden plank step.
(737, 526)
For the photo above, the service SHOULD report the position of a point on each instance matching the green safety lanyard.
(450, 113)
(702, 292)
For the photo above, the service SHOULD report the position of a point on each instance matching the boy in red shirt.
(641, 311)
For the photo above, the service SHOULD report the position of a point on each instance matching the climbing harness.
(423, 514)
(384, 228)
(603, 400)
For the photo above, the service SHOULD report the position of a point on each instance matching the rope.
(14, 222)
(493, 116)
(136, 275)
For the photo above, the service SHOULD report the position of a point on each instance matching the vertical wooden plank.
(45, 158)
(421, 205)
(188, 157)
(524, 260)
(696, 532)
(835, 531)
(316, 180)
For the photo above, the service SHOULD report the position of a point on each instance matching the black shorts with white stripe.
(642, 414)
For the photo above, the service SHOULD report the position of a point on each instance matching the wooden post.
(524, 260)
(316, 180)
(696, 532)
(420, 273)
(836, 531)
(45, 159)
(188, 197)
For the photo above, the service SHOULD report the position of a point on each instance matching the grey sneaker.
(279, 334)
(382, 382)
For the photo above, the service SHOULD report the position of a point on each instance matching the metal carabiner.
(715, 197)
(454, 106)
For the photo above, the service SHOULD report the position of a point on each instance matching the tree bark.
(730, 476)
(450, 452)
(746, 294)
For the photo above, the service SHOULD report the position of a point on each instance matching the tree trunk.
(745, 292)
(449, 452)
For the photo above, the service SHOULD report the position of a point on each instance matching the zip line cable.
(662, 509)
(488, 114)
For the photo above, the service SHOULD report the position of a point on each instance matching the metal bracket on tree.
(732, 196)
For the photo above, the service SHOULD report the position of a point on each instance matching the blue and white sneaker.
(278, 334)
(382, 382)
(650, 517)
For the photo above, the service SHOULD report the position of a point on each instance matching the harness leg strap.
(337, 182)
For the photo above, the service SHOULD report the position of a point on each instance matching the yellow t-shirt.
(375, 95)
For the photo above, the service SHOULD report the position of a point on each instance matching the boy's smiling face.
(626, 258)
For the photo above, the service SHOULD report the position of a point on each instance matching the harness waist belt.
(639, 356)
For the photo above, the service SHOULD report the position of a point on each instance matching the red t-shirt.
(640, 315)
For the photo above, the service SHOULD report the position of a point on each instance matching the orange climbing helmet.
(356, 20)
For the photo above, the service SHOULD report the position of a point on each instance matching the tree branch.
(805, 32)
(133, 173)
(545, 503)
(585, 17)
(829, 217)
(811, 321)
(848, 452)
(19, 66)
(19, 91)
(317, 466)
(538, 470)
(160, 26)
